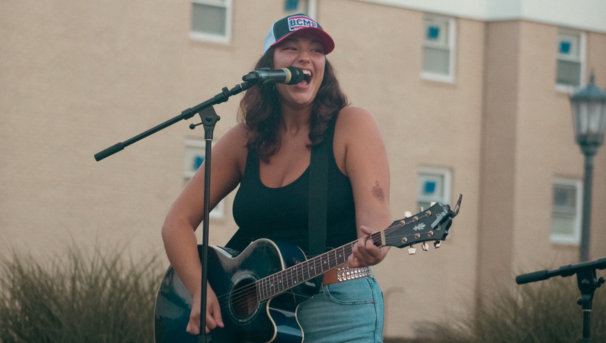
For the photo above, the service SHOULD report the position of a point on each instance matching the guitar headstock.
(431, 224)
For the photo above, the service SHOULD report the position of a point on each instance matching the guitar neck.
(304, 271)
(432, 224)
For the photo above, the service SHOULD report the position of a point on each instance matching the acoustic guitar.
(260, 289)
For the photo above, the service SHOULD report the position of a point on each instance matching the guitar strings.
(296, 272)
(247, 291)
(250, 289)
(300, 272)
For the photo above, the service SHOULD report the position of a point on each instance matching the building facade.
(471, 97)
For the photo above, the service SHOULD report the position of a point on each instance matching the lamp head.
(589, 115)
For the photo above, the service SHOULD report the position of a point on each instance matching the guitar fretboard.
(301, 272)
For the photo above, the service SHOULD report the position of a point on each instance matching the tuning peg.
(432, 203)
(421, 209)
(407, 214)
(411, 250)
(437, 244)
(425, 246)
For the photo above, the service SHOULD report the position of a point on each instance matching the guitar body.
(233, 280)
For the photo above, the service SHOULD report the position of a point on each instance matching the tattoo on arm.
(377, 192)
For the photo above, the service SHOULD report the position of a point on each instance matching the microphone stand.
(586, 280)
(209, 118)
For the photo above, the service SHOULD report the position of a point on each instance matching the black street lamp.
(589, 119)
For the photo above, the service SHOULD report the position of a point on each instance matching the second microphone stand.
(586, 280)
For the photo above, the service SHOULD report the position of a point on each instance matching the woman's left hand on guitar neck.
(365, 253)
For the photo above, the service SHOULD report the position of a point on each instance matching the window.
(194, 156)
(571, 60)
(438, 48)
(434, 186)
(566, 211)
(307, 7)
(211, 20)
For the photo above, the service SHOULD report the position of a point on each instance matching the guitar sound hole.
(244, 298)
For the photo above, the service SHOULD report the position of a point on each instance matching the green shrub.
(96, 297)
(542, 312)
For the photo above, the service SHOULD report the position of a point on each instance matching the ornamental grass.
(104, 297)
(81, 297)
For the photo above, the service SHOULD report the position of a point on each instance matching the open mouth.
(308, 76)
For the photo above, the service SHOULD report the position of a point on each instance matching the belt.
(345, 274)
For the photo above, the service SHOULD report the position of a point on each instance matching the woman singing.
(268, 155)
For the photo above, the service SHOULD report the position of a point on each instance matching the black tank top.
(280, 214)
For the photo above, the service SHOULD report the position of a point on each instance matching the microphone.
(288, 75)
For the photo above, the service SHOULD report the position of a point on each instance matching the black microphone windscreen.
(296, 75)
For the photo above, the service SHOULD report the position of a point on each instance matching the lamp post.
(589, 119)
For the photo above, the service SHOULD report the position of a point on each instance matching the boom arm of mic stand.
(188, 113)
(563, 271)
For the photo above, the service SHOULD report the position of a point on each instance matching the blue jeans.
(350, 311)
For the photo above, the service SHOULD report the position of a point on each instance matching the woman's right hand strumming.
(213, 313)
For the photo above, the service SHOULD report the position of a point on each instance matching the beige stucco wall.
(80, 77)
(77, 77)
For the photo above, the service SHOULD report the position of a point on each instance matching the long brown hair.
(261, 113)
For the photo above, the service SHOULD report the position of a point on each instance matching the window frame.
(312, 9)
(209, 37)
(312, 6)
(575, 238)
(452, 35)
(219, 211)
(446, 173)
(582, 59)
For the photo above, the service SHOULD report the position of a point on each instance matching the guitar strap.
(318, 198)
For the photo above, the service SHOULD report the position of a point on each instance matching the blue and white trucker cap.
(298, 23)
